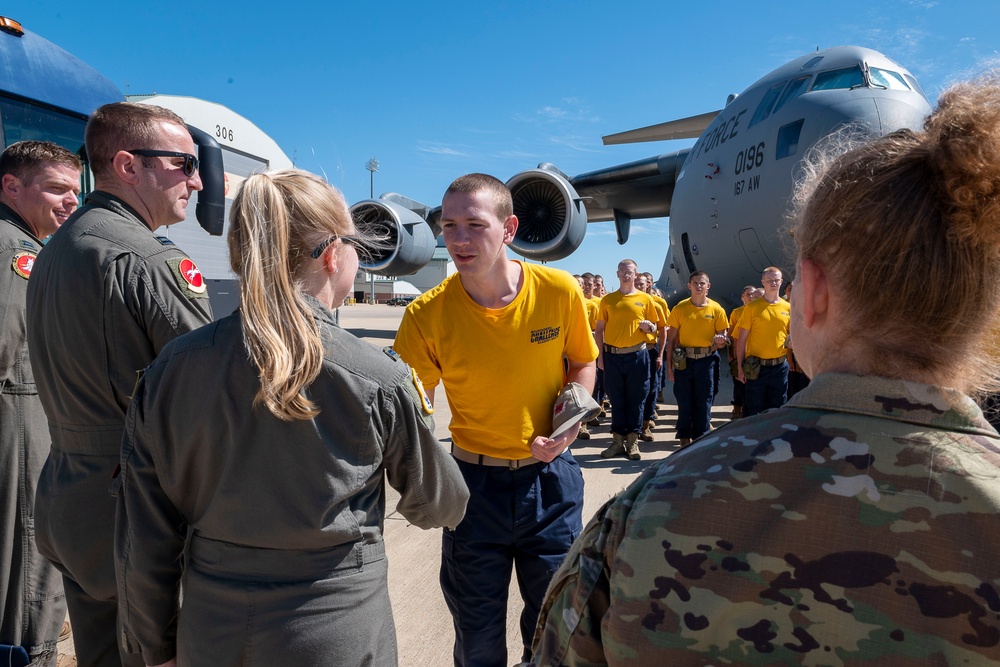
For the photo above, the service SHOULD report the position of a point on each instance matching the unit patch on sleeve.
(22, 263)
(424, 400)
(189, 277)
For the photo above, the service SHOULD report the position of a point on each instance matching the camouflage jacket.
(858, 524)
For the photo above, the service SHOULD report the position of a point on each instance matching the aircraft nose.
(895, 114)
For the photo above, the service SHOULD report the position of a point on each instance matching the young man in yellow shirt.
(698, 328)
(496, 334)
(739, 388)
(623, 320)
(655, 343)
(763, 329)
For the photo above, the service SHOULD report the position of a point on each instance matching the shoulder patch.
(392, 354)
(164, 240)
(22, 263)
(189, 277)
(419, 386)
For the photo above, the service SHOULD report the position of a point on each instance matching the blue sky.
(437, 89)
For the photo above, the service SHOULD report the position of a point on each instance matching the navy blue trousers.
(768, 391)
(654, 386)
(599, 392)
(526, 519)
(626, 379)
(694, 389)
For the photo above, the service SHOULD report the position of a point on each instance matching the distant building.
(389, 287)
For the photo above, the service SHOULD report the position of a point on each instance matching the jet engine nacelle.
(552, 219)
(404, 242)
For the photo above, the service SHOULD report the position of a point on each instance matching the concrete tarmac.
(423, 625)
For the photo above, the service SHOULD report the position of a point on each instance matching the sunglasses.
(355, 241)
(190, 161)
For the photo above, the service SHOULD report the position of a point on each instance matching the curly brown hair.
(907, 228)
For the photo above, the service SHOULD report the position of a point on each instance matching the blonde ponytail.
(276, 219)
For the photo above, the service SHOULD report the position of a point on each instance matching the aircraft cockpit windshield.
(888, 79)
(854, 77)
(847, 77)
(781, 92)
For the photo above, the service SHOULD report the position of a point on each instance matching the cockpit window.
(764, 108)
(886, 77)
(848, 77)
(794, 88)
(913, 84)
(812, 62)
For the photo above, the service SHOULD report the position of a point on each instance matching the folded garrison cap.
(574, 404)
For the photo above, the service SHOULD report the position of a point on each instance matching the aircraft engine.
(552, 219)
(403, 242)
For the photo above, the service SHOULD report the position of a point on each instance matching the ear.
(11, 184)
(329, 259)
(126, 167)
(812, 288)
(509, 229)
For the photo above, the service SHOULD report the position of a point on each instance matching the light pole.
(372, 167)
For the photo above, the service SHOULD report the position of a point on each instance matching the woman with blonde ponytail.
(264, 439)
(858, 523)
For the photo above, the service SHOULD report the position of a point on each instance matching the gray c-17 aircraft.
(726, 196)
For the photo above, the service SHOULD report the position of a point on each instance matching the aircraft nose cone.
(896, 114)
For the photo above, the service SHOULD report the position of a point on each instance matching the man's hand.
(646, 326)
(546, 449)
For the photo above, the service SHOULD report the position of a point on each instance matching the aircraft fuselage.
(731, 196)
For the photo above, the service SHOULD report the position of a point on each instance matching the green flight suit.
(31, 593)
(106, 295)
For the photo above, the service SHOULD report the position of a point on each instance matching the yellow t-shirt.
(663, 310)
(591, 312)
(502, 368)
(696, 326)
(622, 314)
(767, 324)
(734, 319)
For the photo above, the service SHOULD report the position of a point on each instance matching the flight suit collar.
(320, 311)
(115, 204)
(12, 216)
(900, 400)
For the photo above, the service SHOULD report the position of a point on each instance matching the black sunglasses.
(355, 241)
(190, 161)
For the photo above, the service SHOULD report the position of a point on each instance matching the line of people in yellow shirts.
(644, 344)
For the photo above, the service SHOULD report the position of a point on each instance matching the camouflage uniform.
(855, 525)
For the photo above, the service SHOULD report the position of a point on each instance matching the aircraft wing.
(640, 189)
(683, 128)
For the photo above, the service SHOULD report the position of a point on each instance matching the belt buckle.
(513, 464)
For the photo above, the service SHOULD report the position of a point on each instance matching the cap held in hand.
(573, 405)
